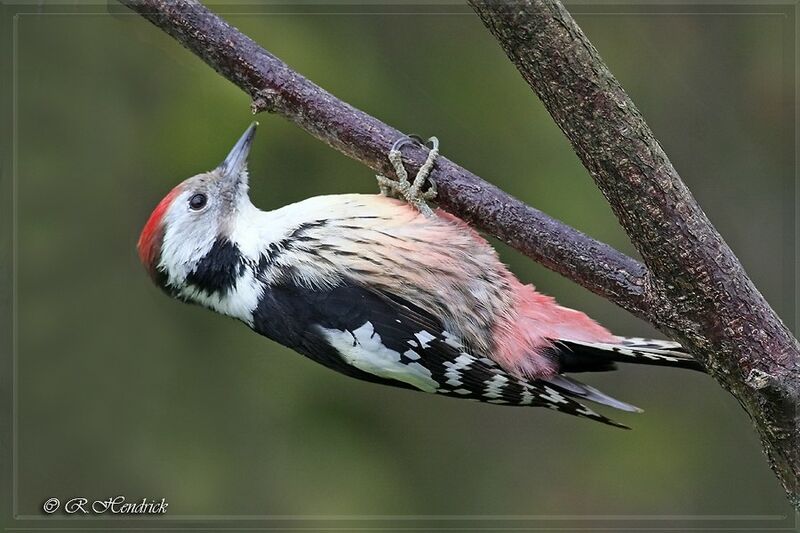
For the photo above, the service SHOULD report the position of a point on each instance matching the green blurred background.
(121, 390)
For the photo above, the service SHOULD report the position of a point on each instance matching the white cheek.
(187, 240)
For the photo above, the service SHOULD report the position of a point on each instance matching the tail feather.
(577, 389)
(581, 356)
(652, 344)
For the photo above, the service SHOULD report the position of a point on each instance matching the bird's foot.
(401, 188)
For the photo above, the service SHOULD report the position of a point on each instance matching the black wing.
(380, 337)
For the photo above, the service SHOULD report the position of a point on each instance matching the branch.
(699, 292)
(276, 88)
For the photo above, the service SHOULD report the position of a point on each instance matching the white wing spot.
(411, 354)
(454, 368)
(495, 386)
(527, 396)
(370, 355)
(424, 338)
(552, 396)
(451, 340)
(583, 410)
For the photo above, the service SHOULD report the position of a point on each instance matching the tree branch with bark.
(691, 287)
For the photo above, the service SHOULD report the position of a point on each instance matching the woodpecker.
(383, 289)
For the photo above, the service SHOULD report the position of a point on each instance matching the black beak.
(236, 161)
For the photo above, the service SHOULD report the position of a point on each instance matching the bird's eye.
(198, 201)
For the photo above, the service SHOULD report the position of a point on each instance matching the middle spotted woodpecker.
(382, 290)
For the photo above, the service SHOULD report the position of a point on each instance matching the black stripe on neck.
(218, 271)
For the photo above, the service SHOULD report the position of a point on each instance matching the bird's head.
(195, 219)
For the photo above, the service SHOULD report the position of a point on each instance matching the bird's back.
(438, 264)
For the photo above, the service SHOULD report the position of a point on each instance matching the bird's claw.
(402, 188)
